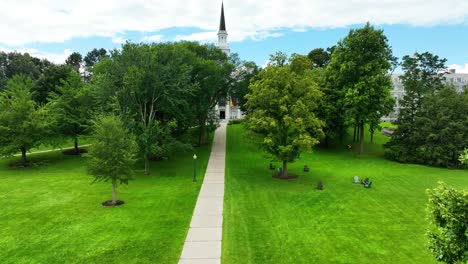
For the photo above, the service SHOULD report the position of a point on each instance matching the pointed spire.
(222, 24)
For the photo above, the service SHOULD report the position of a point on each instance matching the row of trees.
(159, 91)
(295, 103)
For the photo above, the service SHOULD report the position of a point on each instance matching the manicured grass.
(268, 220)
(52, 214)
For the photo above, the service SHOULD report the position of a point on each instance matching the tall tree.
(360, 65)
(244, 73)
(23, 123)
(74, 60)
(424, 75)
(15, 63)
(112, 156)
(52, 77)
(72, 108)
(319, 57)
(448, 234)
(442, 126)
(211, 75)
(281, 109)
(92, 58)
(150, 83)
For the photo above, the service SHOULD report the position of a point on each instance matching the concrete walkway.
(203, 242)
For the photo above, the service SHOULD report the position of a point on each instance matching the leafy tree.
(319, 57)
(211, 77)
(23, 123)
(281, 109)
(359, 68)
(92, 58)
(47, 84)
(448, 235)
(463, 158)
(244, 73)
(424, 75)
(72, 108)
(113, 154)
(74, 60)
(150, 83)
(299, 63)
(442, 128)
(15, 63)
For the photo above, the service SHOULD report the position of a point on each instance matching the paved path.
(203, 242)
(50, 150)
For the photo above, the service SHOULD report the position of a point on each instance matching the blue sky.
(256, 29)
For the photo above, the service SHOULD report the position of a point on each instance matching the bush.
(236, 121)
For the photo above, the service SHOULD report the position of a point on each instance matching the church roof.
(222, 24)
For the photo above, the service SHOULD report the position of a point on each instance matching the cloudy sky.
(55, 28)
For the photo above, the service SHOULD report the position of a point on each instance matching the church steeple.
(222, 33)
(222, 23)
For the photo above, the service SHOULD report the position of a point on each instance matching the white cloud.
(53, 57)
(26, 21)
(152, 38)
(118, 40)
(459, 68)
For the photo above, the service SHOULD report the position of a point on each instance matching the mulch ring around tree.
(29, 164)
(72, 152)
(20, 164)
(109, 203)
(287, 177)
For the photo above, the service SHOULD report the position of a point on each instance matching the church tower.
(222, 33)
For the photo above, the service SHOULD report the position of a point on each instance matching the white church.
(227, 108)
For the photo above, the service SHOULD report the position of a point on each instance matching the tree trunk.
(114, 187)
(354, 134)
(358, 132)
(361, 138)
(372, 136)
(285, 169)
(23, 156)
(202, 134)
(147, 171)
(76, 144)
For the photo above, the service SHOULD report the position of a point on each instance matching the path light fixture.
(194, 167)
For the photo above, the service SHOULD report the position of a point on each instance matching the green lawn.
(52, 214)
(268, 220)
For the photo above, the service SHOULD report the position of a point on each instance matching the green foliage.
(359, 71)
(463, 158)
(23, 123)
(92, 58)
(71, 107)
(74, 60)
(15, 63)
(432, 127)
(245, 72)
(236, 121)
(47, 84)
(281, 109)
(448, 236)
(319, 57)
(149, 85)
(210, 76)
(113, 153)
(442, 126)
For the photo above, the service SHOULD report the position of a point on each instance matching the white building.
(459, 80)
(227, 108)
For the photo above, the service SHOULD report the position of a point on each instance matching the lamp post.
(194, 167)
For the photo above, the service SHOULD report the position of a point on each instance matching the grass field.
(268, 220)
(52, 214)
